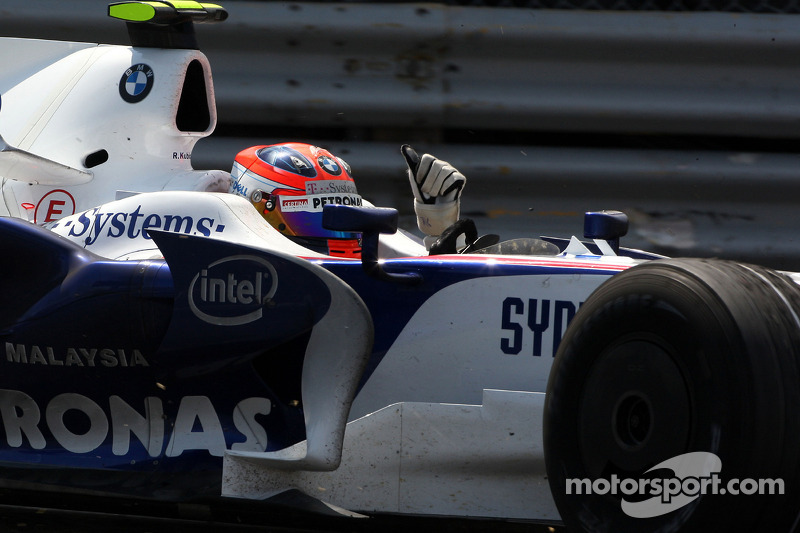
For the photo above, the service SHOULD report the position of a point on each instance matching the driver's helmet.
(289, 184)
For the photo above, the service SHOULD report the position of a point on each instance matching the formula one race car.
(172, 345)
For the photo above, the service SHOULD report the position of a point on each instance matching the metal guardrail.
(530, 103)
(422, 66)
(434, 66)
(734, 6)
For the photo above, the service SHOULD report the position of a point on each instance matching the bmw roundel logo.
(136, 82)
(330, 165)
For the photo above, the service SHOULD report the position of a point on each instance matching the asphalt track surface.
(31, 512)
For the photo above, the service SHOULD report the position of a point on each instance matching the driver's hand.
(432, 180)
(437, 190)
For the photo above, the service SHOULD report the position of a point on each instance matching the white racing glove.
(437, 190)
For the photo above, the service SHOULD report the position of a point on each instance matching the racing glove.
(437, 190)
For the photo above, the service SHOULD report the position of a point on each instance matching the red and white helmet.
(289, 184)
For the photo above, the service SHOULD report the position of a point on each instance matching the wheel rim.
(635, 409)
(632, 421)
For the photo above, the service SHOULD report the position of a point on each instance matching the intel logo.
(232, 291)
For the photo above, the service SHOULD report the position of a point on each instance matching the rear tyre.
(673, 357)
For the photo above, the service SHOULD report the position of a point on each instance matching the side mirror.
(606, 225)
(370, 222)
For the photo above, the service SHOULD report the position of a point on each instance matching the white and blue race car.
(160, 340)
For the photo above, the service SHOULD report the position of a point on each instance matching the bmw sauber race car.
(161, 340)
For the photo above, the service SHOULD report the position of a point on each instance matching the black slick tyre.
(668, 358)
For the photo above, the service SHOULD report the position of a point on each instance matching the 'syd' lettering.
(539, 317)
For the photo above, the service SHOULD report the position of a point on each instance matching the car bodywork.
(464, 347)
(77, 128)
